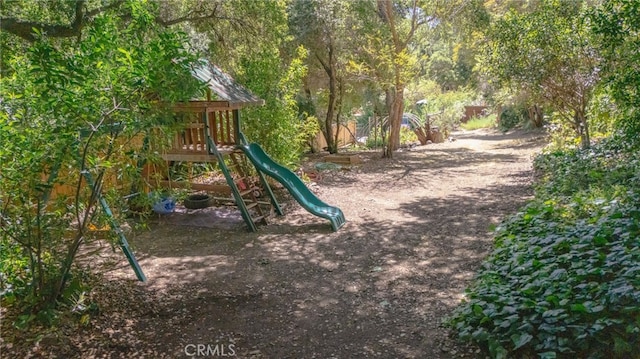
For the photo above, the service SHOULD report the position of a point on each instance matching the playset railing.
(201, 123)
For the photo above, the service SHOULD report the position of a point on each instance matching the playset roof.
(224, 86)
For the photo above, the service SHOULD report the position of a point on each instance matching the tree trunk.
(338, 107)
(396, 109)
(329, 67)
(422, 135)
(583, 128)
(328, 123)
(538, 116)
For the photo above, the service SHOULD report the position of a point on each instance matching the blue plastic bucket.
(164, 205)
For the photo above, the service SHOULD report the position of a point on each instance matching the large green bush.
(617, 24)
(74, 109)
(564, 277)
(511, 117)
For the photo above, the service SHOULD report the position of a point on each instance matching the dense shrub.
(480, 122)
(374, 142)
(276, 125)
(564, 277)
(407, 137)
(511, 117)
(71, 126)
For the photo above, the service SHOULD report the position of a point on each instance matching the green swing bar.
(115, 226)
(113, 223)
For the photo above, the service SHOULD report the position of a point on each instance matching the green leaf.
(580, 308)
(519, 340)
(127, 55)
(547, 355)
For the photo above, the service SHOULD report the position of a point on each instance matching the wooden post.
(236, 126)
(207, 131)
(228, 123)
(213, 127)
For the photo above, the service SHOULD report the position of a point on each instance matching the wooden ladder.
(249, 189)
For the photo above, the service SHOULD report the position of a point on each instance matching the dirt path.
(418, 228)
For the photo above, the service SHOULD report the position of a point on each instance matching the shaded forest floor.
(418, 228)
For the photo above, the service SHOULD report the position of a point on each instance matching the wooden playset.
(212, 133)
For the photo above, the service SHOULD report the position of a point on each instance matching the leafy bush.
(566, 172)
(309, 128)
(407, 136)
(480, 122)
(375, 142)
(275, 126)
(564, 277)
(511, 117)
(451, 109)
(616, 23)
(72, 113)
(444, 108)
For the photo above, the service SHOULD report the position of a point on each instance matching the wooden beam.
(207, 106)
(189, 157)
(208, 187)
(236, 126)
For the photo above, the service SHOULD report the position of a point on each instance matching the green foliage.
(446, 109)
(603, 114)
(323, 28)
(375, 142)
(617, 24)
(309, 129)
(451, 64)
(275, 125)
(511, 117)
(480, 122)
(564, 278)
(568, 172)
(407, 136)
(73, 107)
(549, 54)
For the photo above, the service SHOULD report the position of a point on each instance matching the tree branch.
(325, 66)
(414, 24)
(27, 29)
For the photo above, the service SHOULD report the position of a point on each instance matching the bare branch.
(191, 17)
(414, 24)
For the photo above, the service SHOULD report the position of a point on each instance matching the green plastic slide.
(294, 185)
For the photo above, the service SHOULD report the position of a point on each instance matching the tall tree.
(549, 53)
(387, 52)
(617, 23)
(322, 26)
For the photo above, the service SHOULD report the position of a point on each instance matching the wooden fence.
(345, 137)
